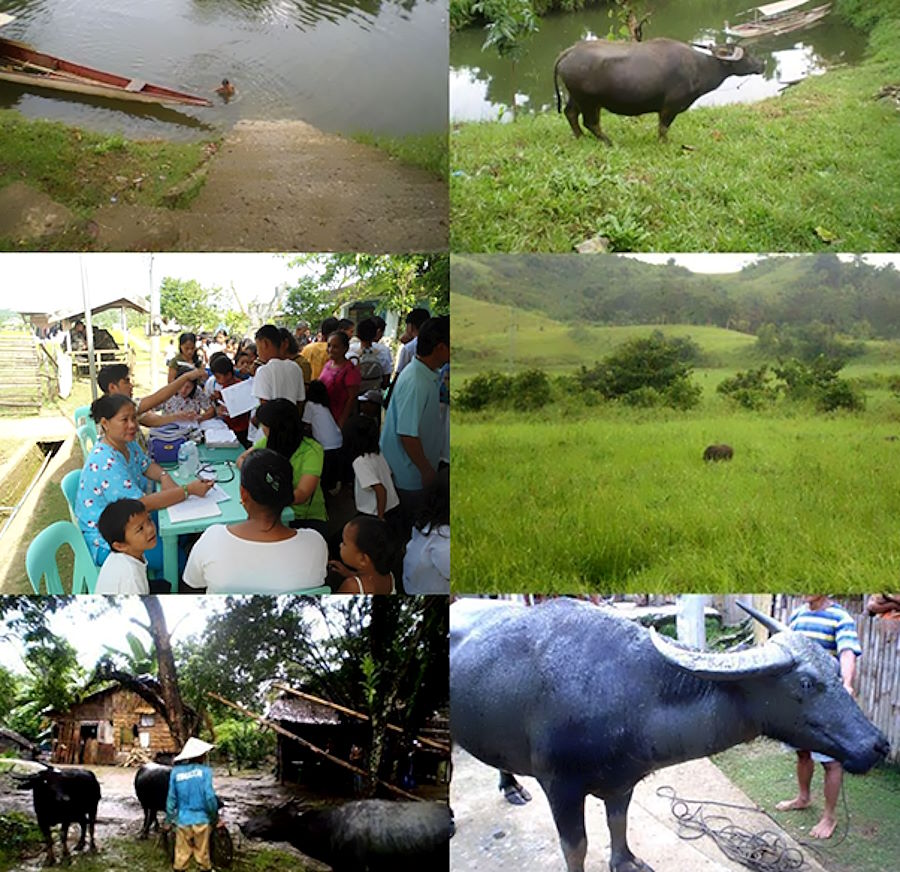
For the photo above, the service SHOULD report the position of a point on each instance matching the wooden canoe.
(779, 23)
(24, 65)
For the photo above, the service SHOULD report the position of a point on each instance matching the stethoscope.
(213, 474)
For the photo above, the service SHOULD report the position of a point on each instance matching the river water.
(342, 65)
(481, 84)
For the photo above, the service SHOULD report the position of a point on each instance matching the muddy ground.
(119, 815)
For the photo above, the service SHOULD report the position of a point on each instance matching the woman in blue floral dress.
(118, 468)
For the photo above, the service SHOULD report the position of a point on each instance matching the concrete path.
(494, 836)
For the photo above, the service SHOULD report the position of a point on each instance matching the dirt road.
(287, 186)
(494, 836)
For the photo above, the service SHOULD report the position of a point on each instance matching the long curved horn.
(768, 622)
(768, 659)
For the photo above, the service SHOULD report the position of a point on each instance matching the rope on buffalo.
(764, 851)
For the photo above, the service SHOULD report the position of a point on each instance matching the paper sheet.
(239, 398)
(195, 507)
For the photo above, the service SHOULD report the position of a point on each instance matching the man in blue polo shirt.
(833, 628)
(412, 437)
(192, 805)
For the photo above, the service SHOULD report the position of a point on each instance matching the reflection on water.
(342, 65)
(481, 83)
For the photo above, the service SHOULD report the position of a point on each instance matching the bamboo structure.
(877, 670)
(354, 714)
(314, 748)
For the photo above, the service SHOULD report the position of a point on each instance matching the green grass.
(427, 151)
(84, 170)
(816, 168)
(124, 855)
(575, 498)
(765, 772)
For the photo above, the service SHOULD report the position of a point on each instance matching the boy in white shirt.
(130, 531)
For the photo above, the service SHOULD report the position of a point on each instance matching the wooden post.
(301, 741)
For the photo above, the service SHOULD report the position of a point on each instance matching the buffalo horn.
(768, 659)
(768, 622)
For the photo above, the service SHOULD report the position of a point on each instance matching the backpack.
(370, 370)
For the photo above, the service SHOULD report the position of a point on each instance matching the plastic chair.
(40, 560)
(87, 436)
(314, 591)
(82, 416)
(69, 486)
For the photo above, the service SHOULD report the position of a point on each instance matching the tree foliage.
(309, 301)
(189, 303)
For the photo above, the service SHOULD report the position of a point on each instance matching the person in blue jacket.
(192, 805)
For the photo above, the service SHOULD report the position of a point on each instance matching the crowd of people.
(344, 475)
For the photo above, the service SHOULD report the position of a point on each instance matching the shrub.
(752, 389)
(643, 398)
(244, 743)
(530, 389)
(682, 394)
(840, 394)
(484, 389)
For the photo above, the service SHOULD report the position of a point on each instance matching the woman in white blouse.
(261, 554)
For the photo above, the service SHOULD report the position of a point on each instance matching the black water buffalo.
(369, 835)
(64, 796)
(633, 78)
(588, 702)
(151, 784)
(718, 452)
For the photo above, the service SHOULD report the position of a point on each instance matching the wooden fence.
(877, 671)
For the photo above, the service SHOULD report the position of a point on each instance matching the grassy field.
(83, 170)
(868, 813)
(586, 495)
(816, 168)
(427, 151)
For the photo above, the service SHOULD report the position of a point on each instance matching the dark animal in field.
(369, 835)
(632, 78)
(718, 452)
(63, 796)
(151, 784)
(588, 702)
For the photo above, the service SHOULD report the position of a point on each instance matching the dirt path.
(287, 186)
(119, 815)
(494, 836)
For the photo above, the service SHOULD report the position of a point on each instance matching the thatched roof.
(293, 710)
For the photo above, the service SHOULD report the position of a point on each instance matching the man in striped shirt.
(833, 628)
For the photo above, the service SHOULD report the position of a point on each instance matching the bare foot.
(824, 828)
(794, 804)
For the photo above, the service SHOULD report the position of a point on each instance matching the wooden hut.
(13, 743)
(105, 724)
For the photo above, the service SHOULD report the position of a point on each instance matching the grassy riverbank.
(816, 168)
(428, 151)
(84, 171)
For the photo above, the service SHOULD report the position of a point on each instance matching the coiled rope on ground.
(764, 851)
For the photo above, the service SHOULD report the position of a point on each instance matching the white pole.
(155, 328)
(690, 621)
(89, 327)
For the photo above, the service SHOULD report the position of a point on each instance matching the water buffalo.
(588, 702)
(369, 835)
(633, 78)
(63, 796)
(151, 784)
(718, 452)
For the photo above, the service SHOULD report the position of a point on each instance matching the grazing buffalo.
(632, 78)
(151, 784)
(588, 702)
(64, 796)
(369, 835)
(718, 452)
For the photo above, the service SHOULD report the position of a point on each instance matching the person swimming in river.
(226, 90)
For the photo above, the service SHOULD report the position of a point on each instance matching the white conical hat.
(194, 748)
